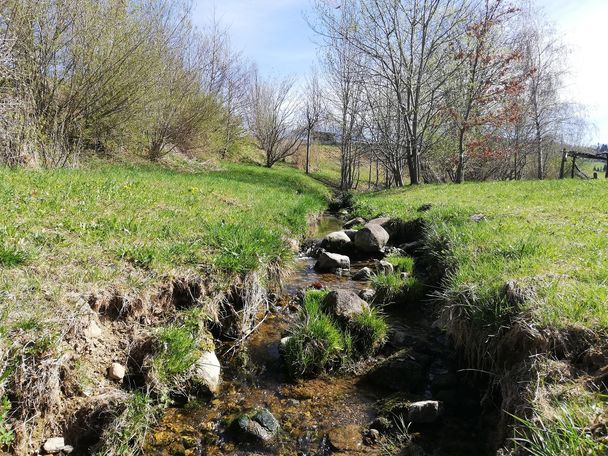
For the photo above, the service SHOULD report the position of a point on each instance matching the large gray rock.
(207, 372)
(354, 222)
(261, 426)
(337, 242)
(344, 304)
(424, 412)
(379, 221)
(363, 275)
(351, 234)
(330, 262)
(371, 239)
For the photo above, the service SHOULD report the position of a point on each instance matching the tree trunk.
(460, 170)
(539, 153)
(308, 151)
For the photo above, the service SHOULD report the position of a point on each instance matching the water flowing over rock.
(371, 239)
(207, 372)
(330, 262)
(344, 304)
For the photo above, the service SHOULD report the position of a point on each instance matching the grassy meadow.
(79, 231)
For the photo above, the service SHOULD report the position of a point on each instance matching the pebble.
(54, 445)
(117, 372)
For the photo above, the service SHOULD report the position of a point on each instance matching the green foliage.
(317, 343)
(369, 331)
(401, 263)
(394, 289)
(6, 433)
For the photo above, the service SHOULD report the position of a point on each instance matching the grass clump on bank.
(394, 288)
(318, 343)
(524, 263)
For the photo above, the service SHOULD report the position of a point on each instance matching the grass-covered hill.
(524, 285)
(157, 253)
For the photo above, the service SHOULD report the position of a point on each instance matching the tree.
(313, 110)
(271, 118)
(484, 74)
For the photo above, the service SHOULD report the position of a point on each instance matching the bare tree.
(271, 118)
(313, 109)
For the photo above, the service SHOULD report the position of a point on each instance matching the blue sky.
(275, 35)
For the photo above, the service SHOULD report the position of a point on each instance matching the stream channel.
(310, 410)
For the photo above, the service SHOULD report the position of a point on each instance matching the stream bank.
(355, 411)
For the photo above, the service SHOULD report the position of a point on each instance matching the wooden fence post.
(606, 176)
(563, 167)
(573, 166)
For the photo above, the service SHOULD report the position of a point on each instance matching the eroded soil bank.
(346, 412)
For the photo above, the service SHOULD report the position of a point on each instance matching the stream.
(308, 410)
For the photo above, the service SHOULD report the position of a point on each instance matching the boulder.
(424, 412)
(351, 234)
(117, 372)
(344, 304)
(354, 222)
(346, 438)
(260, 426)
(363, 275)
(371, 239)
(330, 262)
(207, 372)
(384, 267)
(54, 445)
(367, 294)
(336, 242)
(379, 221)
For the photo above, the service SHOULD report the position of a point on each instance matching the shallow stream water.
(309, 409)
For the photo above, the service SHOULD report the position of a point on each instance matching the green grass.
(551, 237)
(401, 263)
(394, 289)
(81, 231)
(369, 331)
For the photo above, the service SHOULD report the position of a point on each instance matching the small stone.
(261, 426)
(117, 372)
(477, 218)
(93, 331)
(330, 262)
(346, 438)
(363, 275)
(424, 412)
(54, 445)
(68, 449)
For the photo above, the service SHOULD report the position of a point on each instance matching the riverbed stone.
(379, 221)
(363, 275)
(424, 412)
(346, 438)
(207, 372)
(54, 445)
(337, 242)
(371, 239)
(330, 262)
(351, 234)
(344, 304)
(261, 425)
(354, 222)
(367, 294)
(384, 267)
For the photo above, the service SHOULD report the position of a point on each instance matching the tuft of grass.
(369, 331)
(318, 343)
(566, 434)
(11, 256)
(401, 263)
(394, 289)
(127, 433)
(6, 433)
(315, 345)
